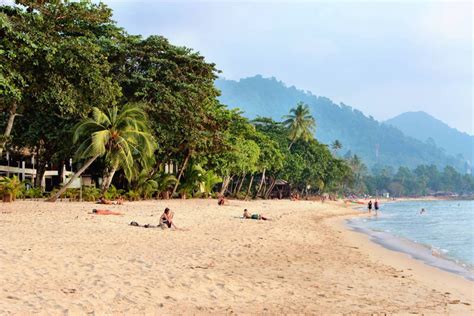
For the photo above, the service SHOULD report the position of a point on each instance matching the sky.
(381, 57)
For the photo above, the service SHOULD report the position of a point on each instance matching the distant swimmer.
(369, 206)
(422, 211)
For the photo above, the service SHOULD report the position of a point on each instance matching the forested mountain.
(424, 127)
(376, 143)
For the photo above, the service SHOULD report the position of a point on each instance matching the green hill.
(376, 143)
(424, 127)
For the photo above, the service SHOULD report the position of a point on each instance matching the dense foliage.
(143, 117)
(421, 181)
(70, 77)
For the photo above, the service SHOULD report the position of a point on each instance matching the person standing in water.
(369, 206)
(376, 207)
(422, 211)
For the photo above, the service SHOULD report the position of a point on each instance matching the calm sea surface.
(446, 228)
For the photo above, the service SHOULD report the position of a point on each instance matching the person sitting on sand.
(221, 201)
(166, 219)
(254, 216)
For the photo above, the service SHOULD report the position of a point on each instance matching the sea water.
(442, 236)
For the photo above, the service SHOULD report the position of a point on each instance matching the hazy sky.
(382, 57)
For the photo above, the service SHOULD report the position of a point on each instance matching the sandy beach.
(56, 258)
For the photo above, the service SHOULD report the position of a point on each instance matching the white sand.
(57, 258)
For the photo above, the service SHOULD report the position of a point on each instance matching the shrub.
(10, 188)
(133, 195)
(72, 194)
(90, 194)
(113, 193)
(34, 193)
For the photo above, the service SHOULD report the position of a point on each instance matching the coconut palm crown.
(120, 135)
(300, 122)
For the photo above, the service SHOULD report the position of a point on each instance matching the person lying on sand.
(254, 216)
(103, 200)
(144, 226)
(105, 212)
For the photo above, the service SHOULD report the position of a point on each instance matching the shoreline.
(416, 251)
(58, 258)
(419, 269)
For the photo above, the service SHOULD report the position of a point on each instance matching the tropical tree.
(54, 58)
(158, 182)
(335, 146)
(120, 135)
(208, 180)
(300, 123)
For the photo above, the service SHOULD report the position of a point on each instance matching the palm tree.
(208, 180)
(120, 135)
(300, 123)
(158, 183)
(336, 145)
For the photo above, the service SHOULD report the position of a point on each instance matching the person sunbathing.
(166, 219)
(103, 200)
(105, 212)
(254, 216)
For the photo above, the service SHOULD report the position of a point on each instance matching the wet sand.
(58, 258)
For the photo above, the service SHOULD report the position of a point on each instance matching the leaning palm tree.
(300, 123)
(120, 135)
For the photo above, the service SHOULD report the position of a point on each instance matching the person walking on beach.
(369, 206)
(376, 207)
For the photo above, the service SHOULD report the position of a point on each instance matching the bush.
(113, 193)
(90, 194)
(72, 194)
(10, 188)
(133, 195)
(34, 193)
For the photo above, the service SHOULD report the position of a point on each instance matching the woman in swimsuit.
(166, 219)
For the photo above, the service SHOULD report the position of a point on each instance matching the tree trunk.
(240, 184)
(235, 185)
(261, 182)
(74, 177)
(9, 127)
(250, 186)
(40, 171)
(270, 188)
(291, 144)
(224, 186)
(183, 167)
(107, 180)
